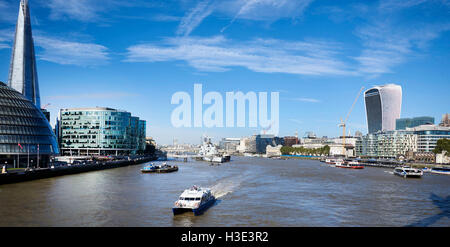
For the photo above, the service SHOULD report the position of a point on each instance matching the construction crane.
(264, 130)
(344, 122)
(45, 106)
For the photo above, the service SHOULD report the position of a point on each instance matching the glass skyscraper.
(22, 71)
(383, 107)
(100, 131)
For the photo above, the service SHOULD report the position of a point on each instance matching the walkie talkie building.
(383, 107)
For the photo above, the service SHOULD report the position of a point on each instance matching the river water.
(250, 192)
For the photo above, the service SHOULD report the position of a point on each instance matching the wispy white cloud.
(61, 51)
(6, 37)
(71, 52)
(386, 45)
(166, 18)
(89, 10)
(392, 5)
(195, 16)
(257, 10)
(260, 55)
(387, 41)
(8, 11)
(308, 100)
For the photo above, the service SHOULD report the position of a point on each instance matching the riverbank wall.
(22, 176)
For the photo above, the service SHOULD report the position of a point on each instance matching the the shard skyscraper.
(22, 71)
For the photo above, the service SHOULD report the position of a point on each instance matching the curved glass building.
(25, 134)
(100, 131)
(383, 107)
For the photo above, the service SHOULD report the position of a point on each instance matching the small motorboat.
(151, 168)
(408, 172)
(195, 200)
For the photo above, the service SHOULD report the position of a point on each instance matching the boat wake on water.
(226, 186)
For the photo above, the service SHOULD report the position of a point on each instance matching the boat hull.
(173, 169)
(196, 211)
(408, 175)
(350, 167)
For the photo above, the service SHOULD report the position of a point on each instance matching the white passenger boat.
(408, 172)
(194, 200)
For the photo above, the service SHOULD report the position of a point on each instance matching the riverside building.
(403, 123)
(100, 131)
(26, 138)
(387, 145)
(428, 135)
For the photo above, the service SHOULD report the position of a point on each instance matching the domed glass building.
(25, 134)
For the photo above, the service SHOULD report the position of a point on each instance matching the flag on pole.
(20, 145)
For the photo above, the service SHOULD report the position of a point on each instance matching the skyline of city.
(318, 88)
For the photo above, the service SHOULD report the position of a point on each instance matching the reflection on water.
(250, 192)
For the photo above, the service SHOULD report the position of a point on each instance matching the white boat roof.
(195, 192)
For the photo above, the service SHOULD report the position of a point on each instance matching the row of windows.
(6, 92)
(23, 130)
(32, 149)
(19, 121)
(19, 112)
(16, 139)
(15, 103)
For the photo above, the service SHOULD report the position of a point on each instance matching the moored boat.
(350, 164)
(440, 170)
(195, 199)
(408, 172)
(159, 169)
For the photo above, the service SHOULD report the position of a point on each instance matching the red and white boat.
(350, 164)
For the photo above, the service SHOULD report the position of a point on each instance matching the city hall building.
(100, 131)
(26, 137)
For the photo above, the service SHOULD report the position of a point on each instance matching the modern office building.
(403, 123)
(387, 145)
(383, 107)
(22, 72)
(26, 138)
(428, 135)
(100, 131)
(258, 143)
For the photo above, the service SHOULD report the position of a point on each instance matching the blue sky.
(134, 55)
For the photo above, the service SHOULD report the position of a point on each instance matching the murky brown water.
(251, 192)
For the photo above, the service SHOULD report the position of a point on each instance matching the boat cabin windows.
(190, 198)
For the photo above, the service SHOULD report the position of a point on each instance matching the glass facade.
(101, 131)
(403, 123)
(383, 107)
(389, 144)
(23, 128)
(429, 135)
